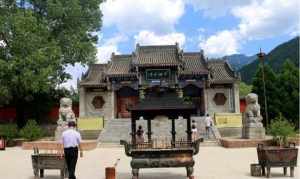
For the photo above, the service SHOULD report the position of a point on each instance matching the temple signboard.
(157, 74)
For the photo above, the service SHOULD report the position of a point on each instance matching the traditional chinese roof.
(220, 72)
(120, 66)
(189, 63)
(194, 63)
(95, 76)
(162, 55)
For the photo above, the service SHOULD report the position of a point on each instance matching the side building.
(109, 89)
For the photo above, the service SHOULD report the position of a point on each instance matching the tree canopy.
(39, 39)
(282, 92)
(245, 89)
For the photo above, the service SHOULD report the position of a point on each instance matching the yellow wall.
(228, 120)
(90, 123)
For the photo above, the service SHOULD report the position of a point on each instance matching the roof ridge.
(216, 61)
(158, 46)
(191, 53)
(123, 55)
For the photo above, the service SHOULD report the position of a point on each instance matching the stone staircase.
(115, 130)
(89, 134)
(119, 129)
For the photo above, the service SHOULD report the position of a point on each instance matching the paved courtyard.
(211, 163)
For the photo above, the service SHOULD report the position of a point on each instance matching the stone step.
(89, 134)
(109, 145)
(119, 129)
(209, 143)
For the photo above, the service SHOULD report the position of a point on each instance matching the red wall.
(8, 114)
(242, 105)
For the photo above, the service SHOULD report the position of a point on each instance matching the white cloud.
(109, 46)
(150, 38)
(129, 16)
(268, 18)
(223, 43)
(104, 52)
(2, 43)
(258, 20)
(103, 55)
(215, 8)
(75, 71)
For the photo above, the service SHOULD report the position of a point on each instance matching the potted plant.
(281, 129)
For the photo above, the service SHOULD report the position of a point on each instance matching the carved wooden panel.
(98, 102)
(220, 99)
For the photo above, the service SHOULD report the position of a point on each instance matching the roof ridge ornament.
(202, 54)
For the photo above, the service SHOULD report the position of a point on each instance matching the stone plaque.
(98, 102)
(220, 98)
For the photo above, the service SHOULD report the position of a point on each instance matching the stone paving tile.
(211, 163)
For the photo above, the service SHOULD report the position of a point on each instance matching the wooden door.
(123, 103)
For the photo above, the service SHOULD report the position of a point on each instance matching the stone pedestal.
(253, 132)
(58, 132)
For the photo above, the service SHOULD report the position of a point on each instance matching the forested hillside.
(276, 58)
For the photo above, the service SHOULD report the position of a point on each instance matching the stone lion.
(66, 114)
(252, 116)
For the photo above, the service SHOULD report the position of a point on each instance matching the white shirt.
(70, 138)
(208, 121)
(194, 130)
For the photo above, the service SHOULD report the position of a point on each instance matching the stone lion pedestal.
(66, 114)
(252, 125)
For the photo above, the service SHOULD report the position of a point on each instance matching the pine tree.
(288, 86)
(273, 101)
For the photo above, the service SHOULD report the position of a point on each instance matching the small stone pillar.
(180, 93)
(142, 94)
(252, 125)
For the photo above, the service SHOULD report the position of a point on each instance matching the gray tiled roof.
(95, 75)
(120, 66)
(163, 55)
(194, 64)
(220, 72)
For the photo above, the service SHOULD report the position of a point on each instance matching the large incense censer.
(153, 154)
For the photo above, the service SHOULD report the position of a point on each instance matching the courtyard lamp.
(261, 56)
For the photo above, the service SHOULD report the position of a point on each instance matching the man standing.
(208, 125)
(71, 141)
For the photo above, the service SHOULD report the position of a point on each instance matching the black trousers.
(71, 156)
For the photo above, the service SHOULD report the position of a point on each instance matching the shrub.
(31, 131)
(281, 129)
(9, 131)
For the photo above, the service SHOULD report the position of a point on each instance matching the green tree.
(288, 86)
(245, 89)
(39, 38)
(273, 101)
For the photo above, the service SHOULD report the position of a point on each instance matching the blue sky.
(219, 27)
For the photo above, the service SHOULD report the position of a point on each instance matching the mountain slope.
(276, 58)
(237, 61)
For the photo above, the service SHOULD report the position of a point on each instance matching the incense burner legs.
(135, 173)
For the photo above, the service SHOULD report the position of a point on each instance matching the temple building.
(109, 90)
